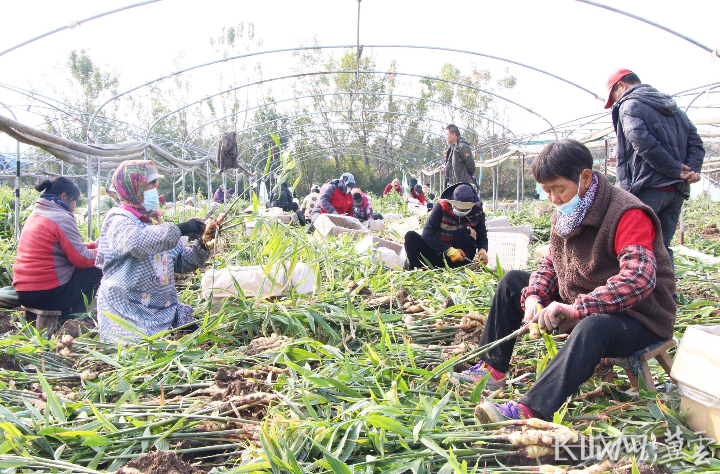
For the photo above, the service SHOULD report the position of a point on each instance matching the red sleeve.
(635, 228)
(72, 244)
(387, 189)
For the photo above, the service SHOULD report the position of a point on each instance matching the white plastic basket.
(512, 248)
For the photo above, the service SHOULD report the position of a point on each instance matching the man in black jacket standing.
(459, 163)
(659, 152)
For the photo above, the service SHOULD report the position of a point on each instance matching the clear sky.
(577, 41)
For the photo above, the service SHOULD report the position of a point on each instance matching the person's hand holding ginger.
(212, 230)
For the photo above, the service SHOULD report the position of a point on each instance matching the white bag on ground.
(392, 217)
(331, 225)
(376, 225)
(391, 253)
(251, 280)
(303, 279)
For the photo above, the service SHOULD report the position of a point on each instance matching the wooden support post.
(606, 157)
(522, 182)
(517, 190)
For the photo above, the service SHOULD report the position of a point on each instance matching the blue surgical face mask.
(567, 207)
(461, 213)
(151, 199)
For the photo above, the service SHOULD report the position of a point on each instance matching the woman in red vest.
(394, 185)
(336, 197)
(608, 274)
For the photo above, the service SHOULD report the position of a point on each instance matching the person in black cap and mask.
(454, 232)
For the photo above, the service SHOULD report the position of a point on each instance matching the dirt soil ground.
(159, 462)
(75, 328)
(710, 232)
(7, 362)
(471, 338)
(6, 324)
(626, 467)
(518, 368)
(99, 368)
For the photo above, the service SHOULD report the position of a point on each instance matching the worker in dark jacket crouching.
(454, 232)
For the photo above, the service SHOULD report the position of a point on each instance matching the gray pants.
(667, 206)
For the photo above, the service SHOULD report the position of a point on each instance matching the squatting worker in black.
(454, 232)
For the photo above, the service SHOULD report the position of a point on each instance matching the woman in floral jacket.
(139, 255)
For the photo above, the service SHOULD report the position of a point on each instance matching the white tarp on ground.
(255, 280)
(332, 225)
(391, 253)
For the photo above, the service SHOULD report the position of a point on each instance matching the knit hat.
(463, 198)
(349, 179)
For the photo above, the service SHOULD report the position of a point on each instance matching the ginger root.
(212, 230)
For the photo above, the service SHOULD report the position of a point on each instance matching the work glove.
(482, 256)
(192, 228)
(455, 255)
(550, 318)
(532, 308)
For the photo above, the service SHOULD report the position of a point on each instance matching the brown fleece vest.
(586, 258)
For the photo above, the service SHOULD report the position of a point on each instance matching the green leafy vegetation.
(319, 383)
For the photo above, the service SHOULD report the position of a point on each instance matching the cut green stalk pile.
(318, 383)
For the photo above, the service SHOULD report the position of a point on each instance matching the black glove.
(192, 228)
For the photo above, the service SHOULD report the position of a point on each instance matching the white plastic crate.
(512, 248)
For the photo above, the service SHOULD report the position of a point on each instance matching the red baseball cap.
(612, 80)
